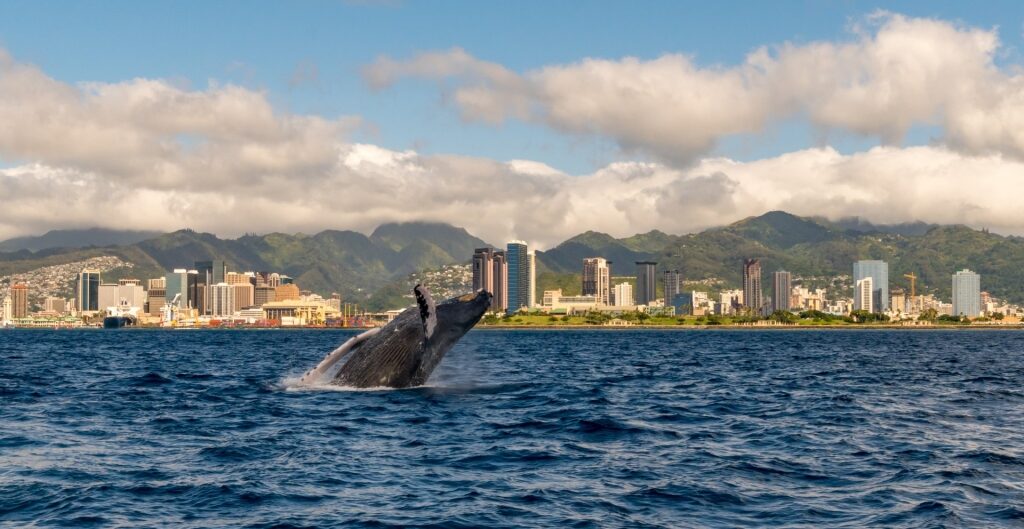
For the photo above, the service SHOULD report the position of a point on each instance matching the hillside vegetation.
(374, 269)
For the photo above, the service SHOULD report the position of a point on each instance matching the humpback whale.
(404, 352)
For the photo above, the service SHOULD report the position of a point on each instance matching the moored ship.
(122, 315)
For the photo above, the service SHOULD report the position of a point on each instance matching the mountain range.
(358, 266)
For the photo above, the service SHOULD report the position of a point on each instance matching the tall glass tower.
(878, 271)
(646, 286)
(87, 292)
(966, 294)
(518, 276)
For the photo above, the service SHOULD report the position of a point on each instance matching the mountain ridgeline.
(358, 266)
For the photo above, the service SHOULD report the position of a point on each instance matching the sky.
(516, 120)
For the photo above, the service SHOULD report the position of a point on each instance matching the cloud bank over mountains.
(152, 154)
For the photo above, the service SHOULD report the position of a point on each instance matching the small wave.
(151, 379)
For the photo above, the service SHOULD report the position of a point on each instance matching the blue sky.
(262, 45)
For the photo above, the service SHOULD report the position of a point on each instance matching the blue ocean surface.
(517, 428)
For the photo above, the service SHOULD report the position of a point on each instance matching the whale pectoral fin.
(428, 311)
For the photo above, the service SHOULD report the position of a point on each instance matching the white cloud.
(147, 154)
(897, 73)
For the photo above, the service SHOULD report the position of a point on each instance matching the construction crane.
(913, 281)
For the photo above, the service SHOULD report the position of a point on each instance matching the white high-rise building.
(862, 294)
(624, 295)
(222, 300)
(8, 311)
(597, 280)
(966, 294)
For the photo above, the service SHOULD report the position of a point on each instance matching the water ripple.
(567, 429)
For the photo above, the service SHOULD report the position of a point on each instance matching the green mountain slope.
(362, 268)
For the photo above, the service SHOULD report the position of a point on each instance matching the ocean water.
(517, 428)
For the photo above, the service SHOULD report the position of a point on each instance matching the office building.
(483, 269)
(752, 292)
(966, 294)
(646, 283)
(518, 275)
(186, 286)
(499, 277)
(673, 284)
(782, 287)
(19, 301)
(7, 310)
(176, 288)
(863, 294)
(239, 278)
(130, 291)
(54, 304)
(87, 292)
(156, 296)
(597, 280)
(624, 295)
(109, 296)
(287, 292)
(222, 300)
(208, 273)
(244, 295)
(212, 272)
(531, 264)
(878, 271)
(263, 295)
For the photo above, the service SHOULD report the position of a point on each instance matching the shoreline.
(570, 327)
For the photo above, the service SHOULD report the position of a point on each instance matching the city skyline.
(246, 141)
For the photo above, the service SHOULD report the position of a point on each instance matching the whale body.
(404, 352)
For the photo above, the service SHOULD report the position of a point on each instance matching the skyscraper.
(209, 273)
(212, 272)
(19, 301)
(646, 282)
(87, 293)
(673, 285)
(782, 285)
(483, 269)
(752, 293)
(863, 292)
(156, 296)
(966, 294)
(597, 279)
(222, 299)
(518, 275)
(499, 277)
(531, 264)
(878, 271)
(176, 285)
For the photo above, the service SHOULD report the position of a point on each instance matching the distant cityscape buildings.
(782, 288)
(673, 285)
(752, 293)
(211, 292)
(624, 295)
(597, 279)
(510, 276)
(966, 294)
(87, 293)
(878, 271)
(863, 294)
(646, 282)
(19, 301)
